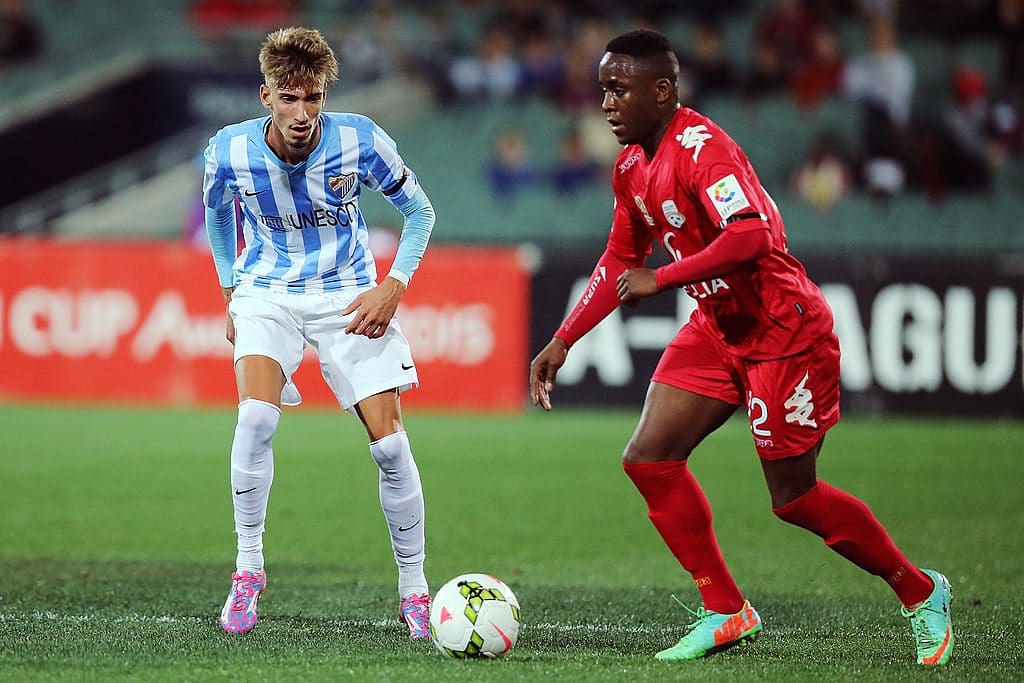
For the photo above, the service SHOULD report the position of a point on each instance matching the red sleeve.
(630, 238)
(599, 299)
(721, 177)
(729, 251)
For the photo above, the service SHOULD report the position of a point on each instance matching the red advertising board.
(144, 322)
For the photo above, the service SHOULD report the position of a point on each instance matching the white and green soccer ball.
(474, 615)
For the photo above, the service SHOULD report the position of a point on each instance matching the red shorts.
(791, 402)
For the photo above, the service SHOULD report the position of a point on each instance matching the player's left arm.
(730, 195)
(388, 173)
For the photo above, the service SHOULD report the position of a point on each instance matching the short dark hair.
(649, 46)
(643, 42)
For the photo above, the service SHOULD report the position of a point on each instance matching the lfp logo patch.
(723, 193)
(727, 195)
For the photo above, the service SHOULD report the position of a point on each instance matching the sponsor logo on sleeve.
(727, 195)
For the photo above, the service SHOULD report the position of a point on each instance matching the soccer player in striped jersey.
(761, 336)
(306, 276)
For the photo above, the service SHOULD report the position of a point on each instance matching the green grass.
(116, 544)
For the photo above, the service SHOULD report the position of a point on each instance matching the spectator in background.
(543, 65)
(964, 152)
(371, 48)
(765, 75)
(492, 72)
(576, 168)
(580, 89)
(578, 92)
(824, 178)
(968, 122)
(360, 55)
(438, 50)
(1007, 126)
(20, 37)
(820, 76)
(787, 29)
(231, 26)
(882, 79)
(510, 170)
(882, 82)
(708, 63)
(1010, 15)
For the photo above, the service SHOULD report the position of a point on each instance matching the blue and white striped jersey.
(301, 222)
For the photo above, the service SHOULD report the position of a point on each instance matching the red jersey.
(698, 185)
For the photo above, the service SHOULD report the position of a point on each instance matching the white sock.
(401, 498)
(252, 473)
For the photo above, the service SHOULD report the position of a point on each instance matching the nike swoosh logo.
(506, 639)
(408, 367)
(253, 194)
(411, 526)
(238, 493)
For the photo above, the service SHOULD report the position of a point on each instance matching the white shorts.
(280, 325)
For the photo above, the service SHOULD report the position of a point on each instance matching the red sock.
(680, 512)
(850, 528)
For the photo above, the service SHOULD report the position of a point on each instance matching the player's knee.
(392, 452)
(257, 422)
(644, 450)
(781, 501)
(791, 505)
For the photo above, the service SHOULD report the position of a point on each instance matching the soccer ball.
(474, 615)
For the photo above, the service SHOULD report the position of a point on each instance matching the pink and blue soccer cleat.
(414, 612)
(239, 613)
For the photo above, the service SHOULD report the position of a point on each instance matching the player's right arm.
(220, 226)
(628, 247)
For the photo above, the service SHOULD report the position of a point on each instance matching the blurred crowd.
(474, 51)
(957, 139)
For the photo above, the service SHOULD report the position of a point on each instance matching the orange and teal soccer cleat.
(932, 623)
(714, 632)
(414, 612)
(239, 613)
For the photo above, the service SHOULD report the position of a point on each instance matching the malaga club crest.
(342, 185)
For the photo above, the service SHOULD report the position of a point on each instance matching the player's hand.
(543, 370)
(636, 284)
(375, 309)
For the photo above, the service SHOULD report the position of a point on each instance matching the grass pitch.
(116, 546)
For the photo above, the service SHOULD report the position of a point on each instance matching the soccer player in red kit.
(761, 337)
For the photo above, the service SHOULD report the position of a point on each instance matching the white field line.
(56, 617)
(558, 627)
